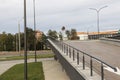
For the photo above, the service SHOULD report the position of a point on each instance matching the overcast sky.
(53, 14)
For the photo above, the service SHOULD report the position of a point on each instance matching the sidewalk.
(5, 65)
(53, 71)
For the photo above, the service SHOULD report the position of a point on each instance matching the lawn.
(29, 56)
(35, 72)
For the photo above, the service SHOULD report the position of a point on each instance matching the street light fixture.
(98, 10)
(25, 44)
(34, 31)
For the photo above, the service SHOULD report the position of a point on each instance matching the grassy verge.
(29, 56)
(35, 72)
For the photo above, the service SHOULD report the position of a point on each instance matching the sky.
(53, 14)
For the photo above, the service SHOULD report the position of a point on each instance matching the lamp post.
(34, 31)
(19, 36)
(25, 44)
(98, 10)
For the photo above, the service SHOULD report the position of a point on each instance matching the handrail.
(88, 55)
(66, 48)
(93, 57)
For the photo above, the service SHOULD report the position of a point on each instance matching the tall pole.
(34, 31)
(98, 24)
(25, 44)
(19, 37)
(98, 10)
(16, 44)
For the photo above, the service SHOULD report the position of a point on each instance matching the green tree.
(3, 38)
(41, 43)
(74, 34)
(52, 34)
(119, 31)
(6, 42)
(30, 38)
(10, 42)
(60, 36)
(63, 28)
(22, 40)
(68, 33)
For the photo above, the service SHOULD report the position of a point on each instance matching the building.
(39, 35)
(94, 35)
(82, 35)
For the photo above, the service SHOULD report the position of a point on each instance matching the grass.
(29, 56)
(35, 72)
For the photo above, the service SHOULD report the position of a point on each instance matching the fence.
(80, 56)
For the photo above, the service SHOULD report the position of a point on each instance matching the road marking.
(112, 70)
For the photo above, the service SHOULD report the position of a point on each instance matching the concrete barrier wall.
(111, 41)
(70, 70)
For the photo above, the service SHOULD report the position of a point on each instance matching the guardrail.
(74, 54)
(111, 41)
(70, 70)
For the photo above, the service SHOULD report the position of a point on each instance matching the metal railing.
(80, 56)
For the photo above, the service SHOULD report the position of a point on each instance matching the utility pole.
(19, 38)
(34, 31)
(98, 10)
(25, 44)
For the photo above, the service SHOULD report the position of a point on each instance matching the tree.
(30, 38)
(6, 42)
(119, 31)
(3, 38)
(41, 43)
(60, 36)
(63, 28)
(10, 42)
(74, 34)
(52, 34)
(68, 33)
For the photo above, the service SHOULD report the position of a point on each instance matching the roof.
(80, 33)
(95, 33)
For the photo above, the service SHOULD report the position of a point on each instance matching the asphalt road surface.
(106, 52)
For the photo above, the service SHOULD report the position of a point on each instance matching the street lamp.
(34, 31)
(25, 44)
(98, 10)
(19, 36)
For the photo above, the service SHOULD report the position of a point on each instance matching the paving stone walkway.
(53, 71)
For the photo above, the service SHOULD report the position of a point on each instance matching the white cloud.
(57, 13)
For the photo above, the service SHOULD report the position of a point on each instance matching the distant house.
(39, 35)
(64, 35)
(94, 35)
(82, 35)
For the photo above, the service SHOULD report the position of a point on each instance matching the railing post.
(69, 52)
(73, 55)
(64, 48)
(77, 58)
(61, 45)
(83, 61)
(102, 71)
(91, 67)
